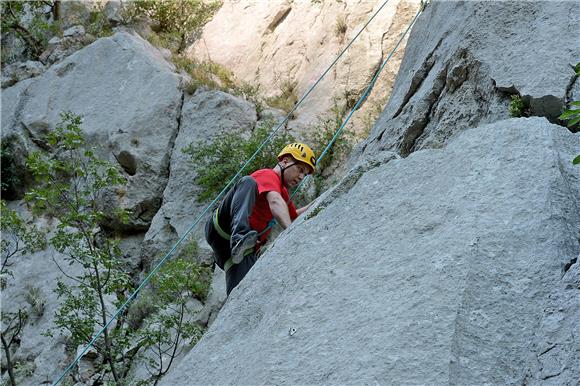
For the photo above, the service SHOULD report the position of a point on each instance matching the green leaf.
(576, 160)
(568, 114)
(574, 121)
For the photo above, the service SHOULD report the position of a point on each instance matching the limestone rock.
(275, 42)
(74, 38)
(112, 11)
(76, 31)
(432, 269)
(131, 122)
(16, 72)
(462, 72)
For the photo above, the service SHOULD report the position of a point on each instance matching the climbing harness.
(234, 178)
(226, 236)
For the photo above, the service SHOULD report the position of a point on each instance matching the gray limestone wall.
(435, 269)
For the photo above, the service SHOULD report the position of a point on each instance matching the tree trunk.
(9, 364)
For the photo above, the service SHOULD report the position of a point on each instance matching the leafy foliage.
(211, 75)
(218, 161)
(519, 107)
(11, 177)
(37, 31)
(185, 18)
(572, 115)
(17, 238)
(322, 134)
(70, 181)
(287, 98)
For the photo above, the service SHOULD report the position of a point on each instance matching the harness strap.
(229, 263)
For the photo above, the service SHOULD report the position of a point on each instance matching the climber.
(242, 222)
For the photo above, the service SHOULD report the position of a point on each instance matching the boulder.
(132, 123)
(432, 269)
(465, 60)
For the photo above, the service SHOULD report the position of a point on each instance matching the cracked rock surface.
(464, 60)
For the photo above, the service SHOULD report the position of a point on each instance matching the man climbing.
(241, 223)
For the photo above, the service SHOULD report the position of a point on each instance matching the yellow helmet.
(300, 152)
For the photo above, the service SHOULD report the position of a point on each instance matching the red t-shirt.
(268, 181)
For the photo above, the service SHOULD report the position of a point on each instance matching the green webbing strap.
(217, 227)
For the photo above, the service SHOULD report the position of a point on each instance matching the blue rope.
(219, 196)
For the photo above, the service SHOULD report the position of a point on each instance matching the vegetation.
(519, 107)
(12, 172)
(175, 20)
(340, 26)
(34, 23)
(71, 181)
(36, 33)
(287, 98)
(323, 133)
(572, 115)
(218, 161)
(208, 74)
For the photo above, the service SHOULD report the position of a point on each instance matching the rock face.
(133, 122)
(275, 42)
(461, 73)
(432, 269)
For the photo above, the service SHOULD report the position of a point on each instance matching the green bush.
(11, 174)
(98, 24)
(70, 180)
(36, 33)
(172, 287)
(216, 162)
(211, 75)
(186, 18)
(321, 135)
(519, 107)
(572, 115)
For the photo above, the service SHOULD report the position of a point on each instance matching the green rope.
(206, 210)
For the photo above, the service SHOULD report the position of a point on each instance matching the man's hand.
(303, 209)
(279, 209)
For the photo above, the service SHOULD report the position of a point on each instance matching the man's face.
(295, 173)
